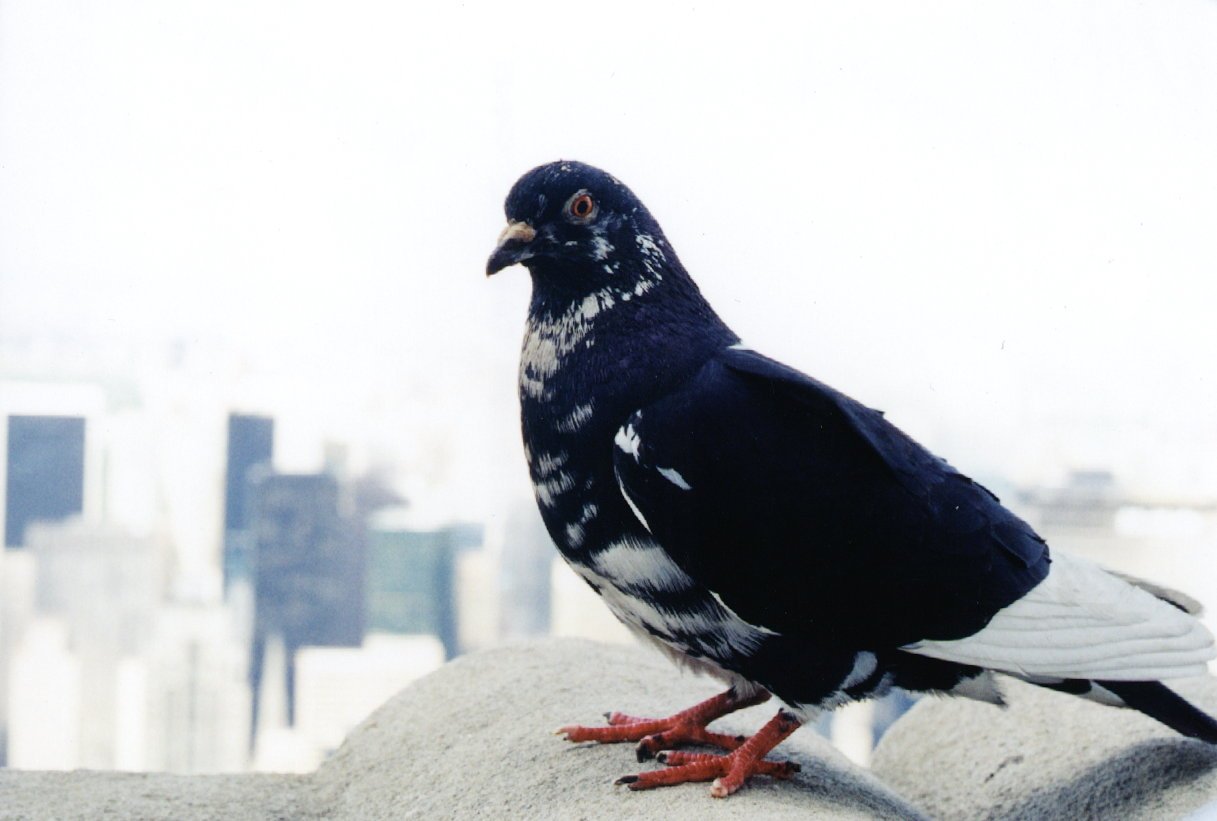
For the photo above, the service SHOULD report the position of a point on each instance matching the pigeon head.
(578, 229)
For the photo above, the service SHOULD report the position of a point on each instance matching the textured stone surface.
(1048, 755)
(121, 796)
(474, 740)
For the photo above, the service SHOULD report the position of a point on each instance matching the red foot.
(730, 771)
(655, 734)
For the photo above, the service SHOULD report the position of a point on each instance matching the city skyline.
(97, 630)
(114, 654)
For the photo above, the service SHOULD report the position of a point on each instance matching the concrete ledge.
(473, 740)
(1048, 755)
(86, 795)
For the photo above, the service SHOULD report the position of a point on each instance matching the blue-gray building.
(308, 569)
(44, 472)
(251, 445)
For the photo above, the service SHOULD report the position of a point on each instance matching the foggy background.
(992, 221)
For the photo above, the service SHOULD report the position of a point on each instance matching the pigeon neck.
(617, 347)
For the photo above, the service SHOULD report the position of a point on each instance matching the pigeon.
(759, 526)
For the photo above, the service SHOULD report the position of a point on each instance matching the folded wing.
(808, 513)
(1083, 622)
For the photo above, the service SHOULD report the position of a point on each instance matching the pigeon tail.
(1160, 702)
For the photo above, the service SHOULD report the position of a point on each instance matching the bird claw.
(615, 718)
(651, 734)
(655, 734)
(728, 772)
(655, 737)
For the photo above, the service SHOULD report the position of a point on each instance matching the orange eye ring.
(582, 206)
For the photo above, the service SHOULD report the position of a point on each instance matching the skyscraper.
(100, 590)
(251, 442)
(411, 576)
(308, 569)
(44, 472)
(50, 470)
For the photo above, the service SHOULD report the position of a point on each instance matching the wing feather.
(809, 513)
(1084, 622)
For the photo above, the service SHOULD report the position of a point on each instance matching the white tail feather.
(1084, 622)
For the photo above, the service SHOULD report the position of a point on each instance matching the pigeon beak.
(512, 247)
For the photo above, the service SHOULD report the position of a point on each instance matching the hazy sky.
(993, 221)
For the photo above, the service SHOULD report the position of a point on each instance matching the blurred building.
(308, 570)
(102, 581)
(197, 709)
(411, 582)
(44, 472)
(110, 675)
(251, 444)
(52, 461)
(52, 469)
(16, 612)
(45, 700)
(277, 746)
(96, 592)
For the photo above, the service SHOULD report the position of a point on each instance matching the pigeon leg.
(685, 727)
(730, 771)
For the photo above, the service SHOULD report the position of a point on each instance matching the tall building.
(411, 578)
(51, 468)
(44, 694)
(251, 443)
(196, 714)
(308, 570)
(105, 583)
(97, 591)
(44, 472)
(17, 572)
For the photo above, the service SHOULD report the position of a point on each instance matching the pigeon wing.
(1083, 622)
(807, 512)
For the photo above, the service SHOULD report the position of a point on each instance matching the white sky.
(993, 221)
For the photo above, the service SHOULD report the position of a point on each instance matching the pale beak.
(512, 247)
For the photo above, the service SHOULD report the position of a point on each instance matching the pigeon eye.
(582, 206)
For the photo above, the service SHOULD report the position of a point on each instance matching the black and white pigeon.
(759, 526)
